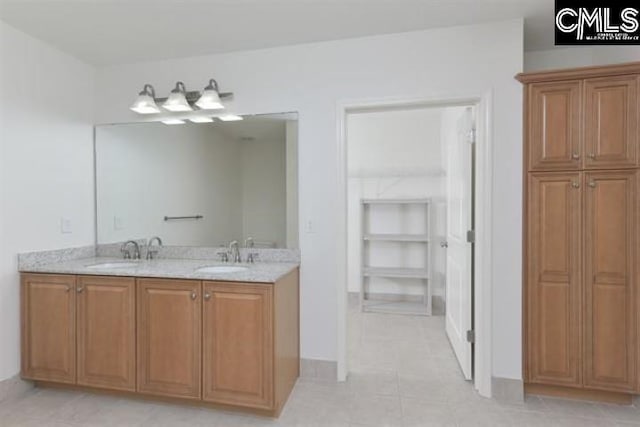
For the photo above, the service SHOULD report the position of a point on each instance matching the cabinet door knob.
(80, 289)
(575, 156)
(592, 184)
(592, 156)
(194, 295)
(68, 288)
(575, 184)
(207, 296)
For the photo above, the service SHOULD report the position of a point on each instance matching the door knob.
(207, 296)
(194, 295)
(444, 244)
(592, 184)
(575, 184)
(80, 289)
(575, 156)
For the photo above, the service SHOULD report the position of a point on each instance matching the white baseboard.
(13, 387)
(507, 390)
(319, 369)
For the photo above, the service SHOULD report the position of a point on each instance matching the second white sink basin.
(112, 265)
(222, 269)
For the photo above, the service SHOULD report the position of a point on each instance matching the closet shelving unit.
(404, 303)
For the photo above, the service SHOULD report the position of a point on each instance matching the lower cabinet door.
(169, 337)
(48, 327)
(106, 319)
(611, 218)
(238, 344)
(553, 289)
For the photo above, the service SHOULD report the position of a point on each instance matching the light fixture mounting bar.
(193, 96)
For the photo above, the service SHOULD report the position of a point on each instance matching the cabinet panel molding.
(611, 122)
(553, 286)
(106, 332)
(554, 126)
(610, 286)
(238, 344)
(169, 337)
(48, 327)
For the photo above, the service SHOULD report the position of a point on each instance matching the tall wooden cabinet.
(581, 245)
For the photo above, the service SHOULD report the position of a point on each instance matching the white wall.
(567, 57)
(149, 170)
(312, 79)
(46, 164)
(291, 136)
(394, 154)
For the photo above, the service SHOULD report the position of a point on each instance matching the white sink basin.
(222, 269)
(112, 265)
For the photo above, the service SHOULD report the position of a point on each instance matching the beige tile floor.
(403, 373)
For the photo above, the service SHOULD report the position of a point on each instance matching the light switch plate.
(118, 223)
(65, 225)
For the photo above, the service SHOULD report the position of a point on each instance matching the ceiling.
(107, 32)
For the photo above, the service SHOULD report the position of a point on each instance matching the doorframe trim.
(483, 223)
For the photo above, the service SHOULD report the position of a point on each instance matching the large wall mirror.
(199, 184)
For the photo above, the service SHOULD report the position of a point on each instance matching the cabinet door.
(106, 332)
(238, 344)
(554, 126)
(553, 279)
(610, 263)
(169, 341)
(48, 328)
(611, 128)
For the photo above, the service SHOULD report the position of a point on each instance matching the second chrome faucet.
(233, 252)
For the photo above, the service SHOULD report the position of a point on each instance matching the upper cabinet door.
(554, 278)
(554, 126)
(106, 332)
(238, 344)
(169, 337)
(611, 122)
(49, 327)
(610, 275)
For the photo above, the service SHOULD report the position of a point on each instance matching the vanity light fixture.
(180, 100)
(210, 98)
(173, 122)
(230, 118)
(200, 119)
(145, 102)
(177, 101)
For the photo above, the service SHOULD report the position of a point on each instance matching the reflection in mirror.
(199, 184)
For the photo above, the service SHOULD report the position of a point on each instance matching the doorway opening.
(410, 250)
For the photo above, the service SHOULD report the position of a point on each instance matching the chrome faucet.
(249, 245)
(234, 249)
(151, 253)
(124, 249)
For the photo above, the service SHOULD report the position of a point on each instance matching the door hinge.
(471, 136)
(471, 336)
(471, 236)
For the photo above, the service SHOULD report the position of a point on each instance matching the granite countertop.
(260, 272)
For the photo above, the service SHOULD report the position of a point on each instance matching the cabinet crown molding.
(580, 73)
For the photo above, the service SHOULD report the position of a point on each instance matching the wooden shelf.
(398, 237)
(406, 273)
(395, 201)
(395, 307)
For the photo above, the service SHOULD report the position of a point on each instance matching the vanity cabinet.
(48, 317)
(106, 327)
(169, 337)
(230, 344)
(581, 242)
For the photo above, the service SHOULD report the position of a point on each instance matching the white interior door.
(459, 221)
